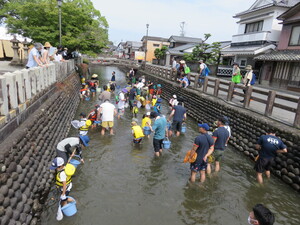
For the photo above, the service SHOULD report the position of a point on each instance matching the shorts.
(137, 141)
(121, 111)
(93, 90)
(157, 144)
(263, 164)
(106, 124)
(218, 154)
(196, 167)
(176, 126)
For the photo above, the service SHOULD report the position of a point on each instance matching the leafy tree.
(83, 27)
(160, 53)
(207, 52)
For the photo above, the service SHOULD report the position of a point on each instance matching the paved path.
(278, 114)
(5, 67)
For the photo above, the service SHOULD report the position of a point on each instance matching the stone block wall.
(246, 127)
(25, 155)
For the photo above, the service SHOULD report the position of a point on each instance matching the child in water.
(135, 109)
(157, 106)
(146, 121)
(137, 133)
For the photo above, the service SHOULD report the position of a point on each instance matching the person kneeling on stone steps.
(64, 147)
(62, 180)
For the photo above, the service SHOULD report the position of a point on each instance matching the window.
(243, 63)
(295, 36)
(155, 45)
(254, 27)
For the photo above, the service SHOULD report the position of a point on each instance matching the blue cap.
(204, 125)
(124, 90)
(85, 139)
(57, 162)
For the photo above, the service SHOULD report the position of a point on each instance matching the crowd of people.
(205, 154)
(43, 55)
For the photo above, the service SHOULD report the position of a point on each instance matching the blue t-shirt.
(222, 135)
(179, 113)
(159, 128)
(269, 145)
(31, 62)
(203, 142)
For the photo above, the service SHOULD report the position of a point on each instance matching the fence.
(270, 99)
(19, 87)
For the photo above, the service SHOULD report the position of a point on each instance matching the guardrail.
(21, 86)
(269, 98)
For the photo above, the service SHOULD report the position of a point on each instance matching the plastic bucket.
(147, 131)
(75, 162)
(69, 209)
(166, 144)
(183, 128)
(87, 98)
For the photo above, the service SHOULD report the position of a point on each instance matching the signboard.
(139, 55)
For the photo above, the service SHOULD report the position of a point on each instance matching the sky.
(127, 19)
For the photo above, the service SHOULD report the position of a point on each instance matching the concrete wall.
(25, 156)
(22, 88)
(246, 127)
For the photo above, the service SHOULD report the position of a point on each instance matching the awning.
(247, 50)
(7, 48)
(283, 55)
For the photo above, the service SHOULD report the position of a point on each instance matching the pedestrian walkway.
(5, 67)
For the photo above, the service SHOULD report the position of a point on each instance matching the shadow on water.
(122, 183)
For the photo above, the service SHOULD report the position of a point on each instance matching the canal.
(124, 184)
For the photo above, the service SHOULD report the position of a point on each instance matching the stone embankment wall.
(246, 127)
(26, 154)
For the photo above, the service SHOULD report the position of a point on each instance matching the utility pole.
(182, 32)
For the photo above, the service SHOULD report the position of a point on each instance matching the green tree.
(83, 27)
(207, 52)
(160, 53)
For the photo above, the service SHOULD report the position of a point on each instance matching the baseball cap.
(148, 114)
(82, 114)
(174, 96)
(124, 90)
(57, 162)
(203, 125)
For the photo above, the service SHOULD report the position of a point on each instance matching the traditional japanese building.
(258, 32)
(281, 68)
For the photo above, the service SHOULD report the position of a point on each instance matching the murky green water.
(124, 184)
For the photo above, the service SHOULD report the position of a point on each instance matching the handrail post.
(270, 103)
(216, 89)
(248, 95)
(205, 84)
(196, 81)
(297, 116)
(230, 91)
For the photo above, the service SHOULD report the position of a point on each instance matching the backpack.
(252, 82)
(207, 71)
(187, 70)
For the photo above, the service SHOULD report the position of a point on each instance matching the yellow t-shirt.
(145, 120)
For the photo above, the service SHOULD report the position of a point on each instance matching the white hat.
(57, 162)
(148, 114)
(174, 96)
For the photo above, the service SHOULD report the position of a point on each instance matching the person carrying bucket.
(64, 147)
(160, 132)
(84, 124)
(63, 178)
(137, 133)
(146, 122)
(179, 115)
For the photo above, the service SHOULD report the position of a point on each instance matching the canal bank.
(123, 184)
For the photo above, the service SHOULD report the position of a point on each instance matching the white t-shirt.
(57, 57)
(73, 141)
(121, 103)
(174, 64)
(107, 111)
(140, 85)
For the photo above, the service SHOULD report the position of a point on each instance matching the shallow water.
(124, 184)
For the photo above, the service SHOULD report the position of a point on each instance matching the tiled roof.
(280, 55)
(180, 49)
(247, 50)
(185, 39)
(152, 38)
